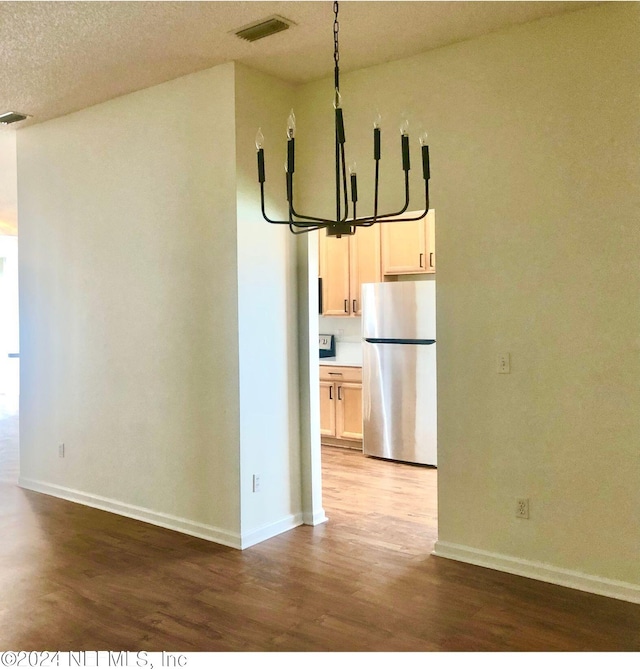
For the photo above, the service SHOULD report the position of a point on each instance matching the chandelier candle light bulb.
(291, 131)
(404, 135)
(260, 149)
(376, 136)
(425, 156)
(346, 222)
(291, 125)
(337, 105)
(354, 183)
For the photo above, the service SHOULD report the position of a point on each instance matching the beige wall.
(138, 323)
(159, 329)
(129, 308)
(267, 320)
(534, 134)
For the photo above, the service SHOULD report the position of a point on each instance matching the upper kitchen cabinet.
(345, 264)
(409, 248)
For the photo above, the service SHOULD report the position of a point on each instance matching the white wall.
(345, 329)
(148, 273)
(135, 309)
(536, 183)
(267, 320)
(129, 306)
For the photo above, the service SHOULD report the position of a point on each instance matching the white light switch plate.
(504, 363)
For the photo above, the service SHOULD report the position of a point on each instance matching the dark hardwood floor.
(74, 578)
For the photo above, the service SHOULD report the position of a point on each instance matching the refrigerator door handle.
(383, 340)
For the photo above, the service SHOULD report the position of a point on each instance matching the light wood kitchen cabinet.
(409, 248)
(327, 409)
(345, 264)
(341, 406)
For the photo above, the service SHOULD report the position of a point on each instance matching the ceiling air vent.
(11, 117)
(266, 27)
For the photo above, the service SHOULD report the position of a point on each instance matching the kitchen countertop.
(348, 354)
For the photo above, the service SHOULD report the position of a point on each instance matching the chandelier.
(346, 221)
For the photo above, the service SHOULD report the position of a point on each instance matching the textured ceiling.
(58, 57)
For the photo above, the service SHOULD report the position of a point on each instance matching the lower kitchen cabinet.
(341, 406)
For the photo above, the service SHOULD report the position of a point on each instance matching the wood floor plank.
(75, 578)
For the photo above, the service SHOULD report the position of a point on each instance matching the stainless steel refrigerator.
(399, 371)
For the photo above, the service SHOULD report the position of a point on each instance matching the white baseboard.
(314, 518)
(539, 571)
(208, 532)
(272, 530)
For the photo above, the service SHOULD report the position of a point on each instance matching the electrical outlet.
(61, 450)
(256, 483)
(340, 333)
(522, 508)
(504, 363)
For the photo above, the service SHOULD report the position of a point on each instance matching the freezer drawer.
(399, 402)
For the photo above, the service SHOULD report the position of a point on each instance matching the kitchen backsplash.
(347, 330)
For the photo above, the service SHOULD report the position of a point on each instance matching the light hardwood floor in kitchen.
(75, 578)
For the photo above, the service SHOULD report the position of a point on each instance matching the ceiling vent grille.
(11, 117)
(266, 27)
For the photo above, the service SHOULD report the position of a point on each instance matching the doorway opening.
(9, 327)
(370, 492)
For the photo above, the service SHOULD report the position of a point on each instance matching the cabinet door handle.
(422, 254)
(330, 392)
(355, 302)
(431, 260)
(335, 373)
(346, 306)
(339, 393)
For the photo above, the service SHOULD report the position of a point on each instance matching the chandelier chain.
(336, 47)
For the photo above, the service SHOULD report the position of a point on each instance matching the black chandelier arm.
(375, 192)
(390, 218)
(406, 198)
(303, 227)
(264, 213)
(305, 230)
(300, 224)
(324, 221)
(270, 220)
(337, 147)
(344, 184)
(312, 219)
(311, 223)
(370, 220)
(308, 225)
